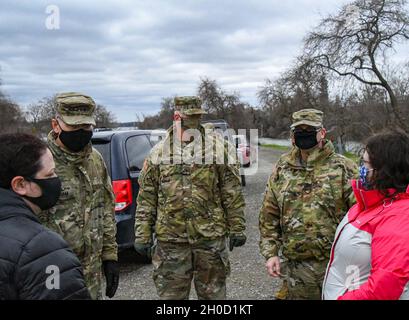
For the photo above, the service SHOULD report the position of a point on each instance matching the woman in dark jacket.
(35, 263)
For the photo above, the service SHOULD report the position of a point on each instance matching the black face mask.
(305, 139)
(51, 190)
(190, 123)
(75, 140)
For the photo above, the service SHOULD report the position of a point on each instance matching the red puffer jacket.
(370, 254)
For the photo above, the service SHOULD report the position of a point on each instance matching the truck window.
(104, 149)
(137, 149)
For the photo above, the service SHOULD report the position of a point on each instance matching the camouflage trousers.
(92, 268)
(302, 280)
(177, 264)
(93, 281)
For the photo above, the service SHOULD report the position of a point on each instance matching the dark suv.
(124, 153)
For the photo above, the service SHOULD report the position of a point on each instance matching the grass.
(276, 147)
(350, 155)
(354, 157)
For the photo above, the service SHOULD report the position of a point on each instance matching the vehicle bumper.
(125, 231)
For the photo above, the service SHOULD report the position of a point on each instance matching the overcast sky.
(128, 55)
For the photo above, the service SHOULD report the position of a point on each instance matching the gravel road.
(248, 279)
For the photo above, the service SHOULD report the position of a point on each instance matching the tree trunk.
(395, 108)
(394, 101)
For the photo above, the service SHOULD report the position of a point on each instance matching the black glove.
(143, 249)
(111, 271)
(237, 240)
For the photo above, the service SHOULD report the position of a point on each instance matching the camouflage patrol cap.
(309, 117)
(76, 108)
(189, 105)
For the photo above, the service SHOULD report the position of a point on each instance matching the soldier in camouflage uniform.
(306, 196)
(84, 214)
(191, 206)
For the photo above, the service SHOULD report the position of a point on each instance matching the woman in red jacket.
(370, 254)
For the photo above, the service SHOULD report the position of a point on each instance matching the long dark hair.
(19, 156)
(389, 156)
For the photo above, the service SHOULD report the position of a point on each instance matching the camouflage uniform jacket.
(303, 204)
(84, 214)
(188, 203)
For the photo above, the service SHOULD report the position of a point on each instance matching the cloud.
(128, 54)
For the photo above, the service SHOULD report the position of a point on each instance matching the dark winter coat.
(35, 263)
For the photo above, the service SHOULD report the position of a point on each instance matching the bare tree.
(399, 76)
(301, 86)
(39, 115)
(354, 43)
(215, 101)
(104, 118)
(226, 105)
(303, 81)
(11, 115)
(34, 117)
(163, 119)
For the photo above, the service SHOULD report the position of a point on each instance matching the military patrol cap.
(309, 117)
(189, 105)
(76, 108)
